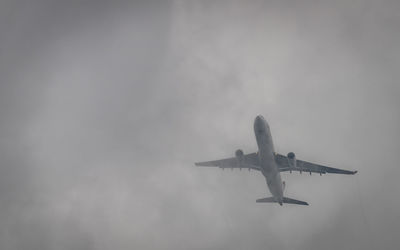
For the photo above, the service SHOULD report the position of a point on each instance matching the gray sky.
(105, 106)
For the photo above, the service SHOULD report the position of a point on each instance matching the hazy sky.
(106, 105)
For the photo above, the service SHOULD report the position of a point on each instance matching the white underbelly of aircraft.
(268, 166)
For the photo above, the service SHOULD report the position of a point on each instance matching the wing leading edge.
(304, 166)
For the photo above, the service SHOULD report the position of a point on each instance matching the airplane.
(271, 164)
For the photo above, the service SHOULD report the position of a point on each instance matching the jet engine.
(239, 155)
(291, 159)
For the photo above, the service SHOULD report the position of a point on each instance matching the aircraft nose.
(260, 123)
(259, 118)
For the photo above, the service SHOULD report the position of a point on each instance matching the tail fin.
(284, 200)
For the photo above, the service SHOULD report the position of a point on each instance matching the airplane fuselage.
(267, 159)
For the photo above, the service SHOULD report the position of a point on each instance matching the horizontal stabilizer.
(284, 200)
(268, 199)
(293, 201)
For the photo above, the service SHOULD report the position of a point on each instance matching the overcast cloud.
(106, 105)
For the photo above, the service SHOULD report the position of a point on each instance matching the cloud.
(105, 107)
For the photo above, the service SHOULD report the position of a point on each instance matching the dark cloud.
(105, 107)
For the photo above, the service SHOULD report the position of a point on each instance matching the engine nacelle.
(291, 159)
(239, 155)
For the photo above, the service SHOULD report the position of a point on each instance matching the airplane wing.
(304, 166)
(249, 161)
